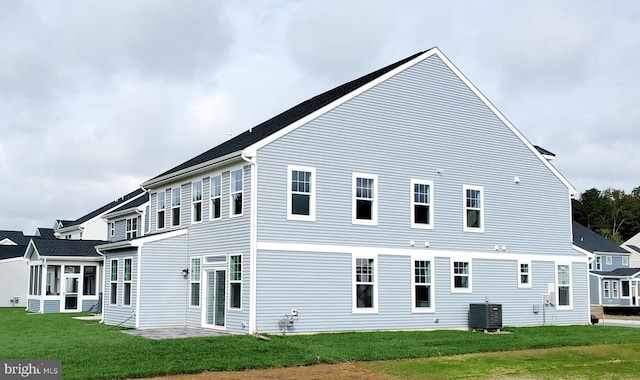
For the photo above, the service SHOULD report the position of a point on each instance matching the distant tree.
(611, 212)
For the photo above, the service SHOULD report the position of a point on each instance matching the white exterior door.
(215, 298)
(71, 288)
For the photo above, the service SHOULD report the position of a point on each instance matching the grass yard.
(89, 350)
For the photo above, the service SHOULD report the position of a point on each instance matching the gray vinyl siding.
(422, 120)
(90, 304)
(324, 300)
(33, 305)
(51, 306)
(163, 289)
(594, 289)
(119, 314)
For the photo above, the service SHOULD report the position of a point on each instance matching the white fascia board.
(583, 251)
(112, 246)
(7, 241)
(152, 238)
(129, 211)
(31, 249)
(75, 227)
(72, 258)
(252, 149)
(191, 170)
(12, 260)
(572, 190)
(607, 253)
(489, 255)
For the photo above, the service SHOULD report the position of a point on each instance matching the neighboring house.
(92, 225)
(13, 269)
(633, 246)
(611, 281)
(129, 221)
(391, 202)
(63, 275)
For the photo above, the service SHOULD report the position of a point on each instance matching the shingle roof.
(12, 251)
(46, 232)
(67, 247)
(103, 209)
(619, 272)
(134, 203)
(592, 241)
(284, 119)
(15, 236)
(543, 151)
(633, 247)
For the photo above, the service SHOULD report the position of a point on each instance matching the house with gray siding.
(13, 268)
(612, 282)
(63, 275)
(391, 202)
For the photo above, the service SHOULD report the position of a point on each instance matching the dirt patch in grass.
(341, 371)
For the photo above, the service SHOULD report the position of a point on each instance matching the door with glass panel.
(71, 287)
(215, 298)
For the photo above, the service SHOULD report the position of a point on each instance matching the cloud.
(339, 40)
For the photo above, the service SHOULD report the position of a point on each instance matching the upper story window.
(196, 200)
(461, 277)
(160, 202)
(237, 177)
(598, 262)
(175, 206)
(132, 228)
(216, 197)
(625, 261)
(112, 229)
(473, 208)
(365, 199)
(302, 194)
(421, 204)
(609, 260)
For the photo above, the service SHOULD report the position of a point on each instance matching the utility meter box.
(485, 316)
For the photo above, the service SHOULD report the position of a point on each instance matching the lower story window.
(235, 282)
(364, 284)
(422, 288)
(564, 285)
(461, 276)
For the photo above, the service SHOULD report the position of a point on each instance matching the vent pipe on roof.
(229, 136)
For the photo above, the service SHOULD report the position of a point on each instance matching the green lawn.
(89, 350)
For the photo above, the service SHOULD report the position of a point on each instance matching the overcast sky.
(98, 96)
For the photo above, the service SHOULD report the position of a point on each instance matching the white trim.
(219, 197)
(606, 288)
(191, 281)
(178, 206)
(413, 203)
(138, 271)
(232, 193)
(253, 244)
(230, 281)
(615, 288)
(7, 241)
(529, 274)
(312, 194)
(163, 210)
(469, 275)
(557, 285)
(111, 281)
(193, 202)
(489, 255)
(482, 208)
(432, 292)
(374, 283)
(374, 199)
(130, 282)
(127, 231)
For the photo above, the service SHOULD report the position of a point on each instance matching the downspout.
(43, 286)
(253, 234)
(138, 287)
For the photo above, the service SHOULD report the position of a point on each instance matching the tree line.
(612, 213)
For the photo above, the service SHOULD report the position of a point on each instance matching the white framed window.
(461, 276)
(113, 291)
(132, 228)
(422, 292)
(625, 261)
(160, 209)
(235, 282)
(563, 279)
(126, 290)
(524, 274)
(624, 285)
(35, 280)
(421, 204)
(175, 206)
(615, 289)
(196, 202)
(194, 281)
(473, 208)
(606, 286)
(215, 209)
(609, 260)
(365, 199)
(598, 262)
(365, 285)
(301, 204)
(112, 229)
(235, 196)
